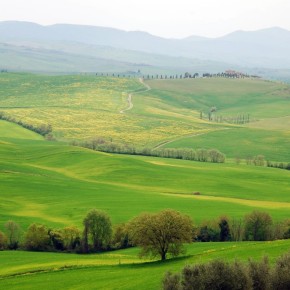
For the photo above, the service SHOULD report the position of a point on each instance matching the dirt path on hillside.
(129, 99)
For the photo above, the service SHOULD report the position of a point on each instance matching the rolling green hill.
(167, 114)
(38, 177)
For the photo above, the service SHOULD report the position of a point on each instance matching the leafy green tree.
(225, 234)
(71, 237)
(237, 229)
(98, 229)
(258, 226)
(208, 233)
(56, 237)
(13, 233)
(121, 237)
(162, 233)
(37, 238)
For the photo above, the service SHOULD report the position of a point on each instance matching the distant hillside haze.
(266, 49)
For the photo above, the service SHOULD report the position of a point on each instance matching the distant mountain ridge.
(267, 48)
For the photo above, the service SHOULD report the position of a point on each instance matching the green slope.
(86, 107)
(242, 143)
(38, 177)
(10, 130)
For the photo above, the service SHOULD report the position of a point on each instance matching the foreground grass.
(120, 269)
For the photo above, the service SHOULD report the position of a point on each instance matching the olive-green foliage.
(216, 275)
(3, 241)
(162, 233)
(37, 238)
(260, 274)
(171, 281)
(13, 233)
(71, 237)
(97, 229)
(258, 226)
(281, 273)
(120, 238)
(219, 274)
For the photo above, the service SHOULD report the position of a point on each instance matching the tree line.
(219, 274)
(43, 129)
(260, 160)
(202, 155)
(157, 234)
(186, 75)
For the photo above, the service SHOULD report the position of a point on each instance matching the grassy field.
(38, 177)
(241, 142)
(259, 98)
(120, 269)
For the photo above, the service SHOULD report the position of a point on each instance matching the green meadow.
(38, 177)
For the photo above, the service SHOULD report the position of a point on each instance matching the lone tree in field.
(97, 229)
(162, 233)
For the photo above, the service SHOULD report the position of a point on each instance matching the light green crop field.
(85, 107)
(120, 269)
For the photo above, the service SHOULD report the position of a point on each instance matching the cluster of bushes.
(280, 165)
(97, 234)
(232, 276)
(259, 160)
(256, 226)
(43, 129)
(146, 231)
(202, 155)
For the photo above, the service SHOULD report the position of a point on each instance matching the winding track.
(129, 99)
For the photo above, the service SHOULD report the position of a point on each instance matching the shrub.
(258, 226)
(171, 281)
(37, 238)
(260, 274)
(281, 273)
(3, 241)
(215, 275)
(121, 237)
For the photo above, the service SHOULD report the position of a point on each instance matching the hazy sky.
(167, 18)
